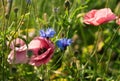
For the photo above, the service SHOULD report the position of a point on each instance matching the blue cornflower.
(63, 43)
(28, 1)
(48, 33)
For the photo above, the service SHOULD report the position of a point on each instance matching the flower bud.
(67, 5)
(8, 8)
(15, 9)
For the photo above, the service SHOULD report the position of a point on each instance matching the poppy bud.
(67, 4)
(15, 9)
(8, 8)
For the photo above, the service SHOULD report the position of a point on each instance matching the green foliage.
(94, 54)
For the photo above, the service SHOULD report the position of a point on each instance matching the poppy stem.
(112, 38)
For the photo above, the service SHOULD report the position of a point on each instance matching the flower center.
(17, 45)
(41, 50)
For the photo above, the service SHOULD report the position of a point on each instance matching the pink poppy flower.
(42, 49)
(98, 17)
(16, 43)
(18, 55)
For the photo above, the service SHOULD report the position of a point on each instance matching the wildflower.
(18, 52)
(16, 43)
(8, 8)
(15, 9)
(40, 49)
(18, 56)
(48, 33)
(67, 4)
(98, 17)
(28, 1)
(55, 10)
(63, 43)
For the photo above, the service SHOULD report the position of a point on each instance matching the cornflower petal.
(48, 33)
(42, 33)
(63, 43)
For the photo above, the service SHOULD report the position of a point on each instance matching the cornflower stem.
(58, 60)
(60, 31)
(112, 38)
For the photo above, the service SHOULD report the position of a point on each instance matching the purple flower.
(48, 33)
(63, 43)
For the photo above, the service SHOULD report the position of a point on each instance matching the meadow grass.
(94, 54)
